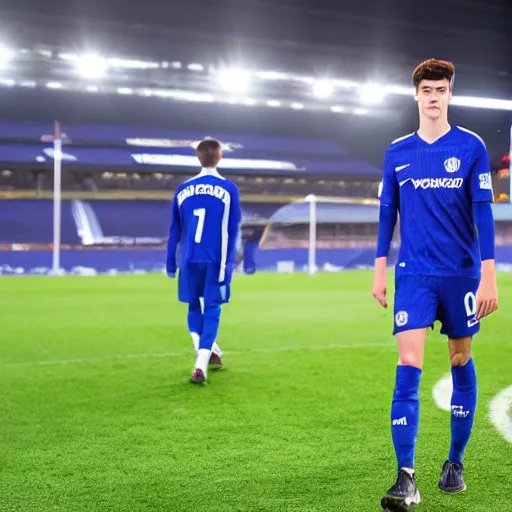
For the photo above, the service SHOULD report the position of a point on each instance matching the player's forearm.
(232, 248)
(484, 222)
(387, 221)
(234, 233)
(171, 259)
(381, 264)
(489, 269)
(172, 246)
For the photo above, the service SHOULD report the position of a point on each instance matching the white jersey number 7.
(200, 213)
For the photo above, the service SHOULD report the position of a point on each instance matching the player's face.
(433, 97)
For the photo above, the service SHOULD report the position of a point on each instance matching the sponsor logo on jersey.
(452, 164)
(425, 183)
(402, 167)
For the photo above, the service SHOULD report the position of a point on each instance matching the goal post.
(320, 230)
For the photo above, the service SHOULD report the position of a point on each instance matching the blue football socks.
(463, 407)
(405, 414)
(195, 317)
(211, 321)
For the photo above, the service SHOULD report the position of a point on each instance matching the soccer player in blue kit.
(206, 217)
(438, 181)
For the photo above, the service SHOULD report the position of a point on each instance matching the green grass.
(96, 412)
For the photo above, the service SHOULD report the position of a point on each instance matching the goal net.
(326, 233)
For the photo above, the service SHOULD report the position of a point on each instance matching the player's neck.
(430, 130)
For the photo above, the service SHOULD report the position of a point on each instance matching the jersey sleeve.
(234, 224)
(174, 236)
(480, 181)
(389, 185)
(388, 207)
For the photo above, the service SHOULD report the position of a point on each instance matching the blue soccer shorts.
(421, 300)
(201, 281)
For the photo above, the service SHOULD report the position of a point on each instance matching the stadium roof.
(302, 54)
(396, 33)
(122, 61)
(139, 149)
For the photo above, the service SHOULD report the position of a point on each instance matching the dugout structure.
(322, 223)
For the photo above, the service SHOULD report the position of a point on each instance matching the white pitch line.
(442, 393)
(500, 413)
(163, 355)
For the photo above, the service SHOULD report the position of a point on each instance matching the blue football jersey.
(206, 216)
(433, 187)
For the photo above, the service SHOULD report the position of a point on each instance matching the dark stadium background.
(371, 41)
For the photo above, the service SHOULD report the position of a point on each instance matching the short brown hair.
(208, 152)
(433, 69)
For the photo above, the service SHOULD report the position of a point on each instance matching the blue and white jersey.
(433, 186)
(206, 217)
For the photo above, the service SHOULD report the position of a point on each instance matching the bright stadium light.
(477, 102)
(28, 83)
(297, 106)
(273, 103)
(6, 55)
(234, 79)
(372, 94)
(272, 75)
(195, 66)
(132, 64)
(400, 90)
(323, 89)
(125, 90)
(92, 66)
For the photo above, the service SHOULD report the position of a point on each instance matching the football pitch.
(97, 414)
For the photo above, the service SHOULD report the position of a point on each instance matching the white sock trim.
(203, 357)
(195, 340)
(216, 349)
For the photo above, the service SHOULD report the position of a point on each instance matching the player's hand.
(487, 296)
(379, 291)
(380, 282)
(171, 273)
(380, 288)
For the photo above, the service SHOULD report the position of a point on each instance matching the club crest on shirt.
(452, 164)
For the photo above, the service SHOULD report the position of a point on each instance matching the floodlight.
(6, 55)
(92, 66)
(372, 94)
(234, 79)
(323, 89)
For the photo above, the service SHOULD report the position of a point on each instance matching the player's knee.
(212, 309)
(411, 359)
(460, 358)
(194, 305)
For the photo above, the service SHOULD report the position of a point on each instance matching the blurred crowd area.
(40, 182)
